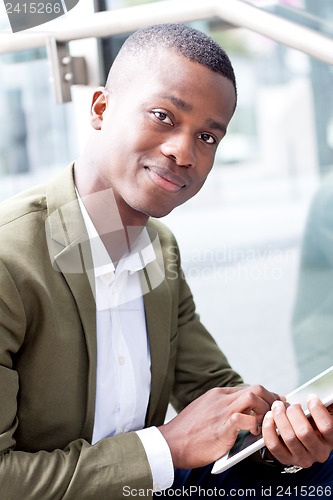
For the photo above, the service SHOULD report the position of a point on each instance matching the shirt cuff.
(159, 457)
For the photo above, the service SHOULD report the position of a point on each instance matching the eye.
(209, 139)
(162, 117)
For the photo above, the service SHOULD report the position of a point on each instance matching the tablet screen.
(244, 440)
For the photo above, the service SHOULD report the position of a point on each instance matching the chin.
(152, 208)
(157, 213)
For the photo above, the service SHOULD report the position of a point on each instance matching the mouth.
(163, 178)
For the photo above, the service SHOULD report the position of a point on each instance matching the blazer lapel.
(69, 250)
(158, 310)
(157, 302)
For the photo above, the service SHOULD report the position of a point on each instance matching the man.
(98, 326)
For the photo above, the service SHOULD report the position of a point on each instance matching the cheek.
(191, 192)
(198, 186)
(200, 176)
(204, 167)
(137, 139)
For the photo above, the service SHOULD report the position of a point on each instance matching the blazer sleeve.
(80, 471)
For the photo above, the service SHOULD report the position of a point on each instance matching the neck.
(118, 228)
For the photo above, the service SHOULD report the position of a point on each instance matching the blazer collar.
(69, 250)
(157, 301)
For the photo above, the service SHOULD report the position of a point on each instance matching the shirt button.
(121, 360)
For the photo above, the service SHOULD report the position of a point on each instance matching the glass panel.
(311, 13)
(37, 136)
(242, 235)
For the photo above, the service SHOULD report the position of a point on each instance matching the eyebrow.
(179, 103)
(185, 106)
(217, 125)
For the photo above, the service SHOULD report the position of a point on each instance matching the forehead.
(166, 72)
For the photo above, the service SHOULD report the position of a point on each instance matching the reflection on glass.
(313, 316)
(37, 135)
(251, 213)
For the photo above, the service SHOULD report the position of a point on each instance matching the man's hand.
(302, 441)
(207, 428)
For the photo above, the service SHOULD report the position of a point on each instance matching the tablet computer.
(246, 443)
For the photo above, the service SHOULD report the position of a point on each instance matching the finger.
(226, 435)
(330, 409)
(241, 400)
(308, 445)
(322, 418)
(241, 422)
(286, 447)
(273, 441)
(286, 429)
(255, 399)
(301, 443)
(263, 393)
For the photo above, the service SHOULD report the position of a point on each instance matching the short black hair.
(191, 43)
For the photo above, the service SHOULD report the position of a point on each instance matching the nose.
(180, 148)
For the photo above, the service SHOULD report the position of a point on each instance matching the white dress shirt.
(123, 356)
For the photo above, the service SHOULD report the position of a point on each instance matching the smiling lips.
(163, 178)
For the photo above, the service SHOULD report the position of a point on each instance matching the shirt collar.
(141, 254)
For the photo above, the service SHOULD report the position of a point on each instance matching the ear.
(98, 106)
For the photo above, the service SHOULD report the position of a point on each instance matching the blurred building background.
(242, 236)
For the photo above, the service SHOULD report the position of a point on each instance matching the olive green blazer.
(48, 353)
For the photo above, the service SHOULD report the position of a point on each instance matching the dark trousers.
(250, 479)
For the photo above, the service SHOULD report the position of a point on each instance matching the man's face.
(156, 137)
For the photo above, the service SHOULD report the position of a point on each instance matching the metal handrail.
(235, 12)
